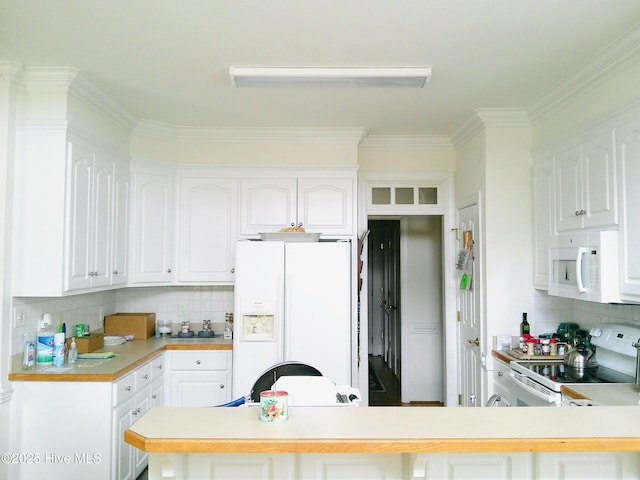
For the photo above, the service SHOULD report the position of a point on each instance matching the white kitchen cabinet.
(153, 223)
(581, 465)
(199, 378)
(64, 210)
(320, 205)
(91, 189)
(337, 466)
(122, 205)
(628, 156)
(586, 185)
(543, 220)
(470, 466)
(207, 233)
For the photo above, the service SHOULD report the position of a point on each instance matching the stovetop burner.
(559, 373)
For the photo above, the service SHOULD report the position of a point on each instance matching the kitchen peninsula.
(389, 442)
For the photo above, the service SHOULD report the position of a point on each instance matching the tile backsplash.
(549, 311)
(169, 303)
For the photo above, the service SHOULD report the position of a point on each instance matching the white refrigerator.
(292, 302)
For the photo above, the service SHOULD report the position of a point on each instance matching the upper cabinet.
(207, 228)
(586, 185)
(65, 229)
(153, 227)
(543, 220)
(319, 205)
(628, 153)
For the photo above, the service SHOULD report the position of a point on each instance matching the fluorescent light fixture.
(416, 77)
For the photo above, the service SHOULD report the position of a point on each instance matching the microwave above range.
(584, 266)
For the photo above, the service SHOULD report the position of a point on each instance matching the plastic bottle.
(44, 346)
(524, 326)
(29, 353)
(73, 351)
(58, 349)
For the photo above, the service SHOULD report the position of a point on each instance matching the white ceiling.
(167, 61)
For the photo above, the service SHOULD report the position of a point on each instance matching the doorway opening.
(406, 310)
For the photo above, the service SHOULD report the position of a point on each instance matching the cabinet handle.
(115, 272)
(222, 385)
(159, 367)
(299, 224)
(233, 270)
(136, 411)
(145, 376)
(500, 374)
(154, 396)
(128, 388)
(197, 362)
(168, 270)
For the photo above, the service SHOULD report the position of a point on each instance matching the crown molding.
(77, 85)
(490, 117)
(181, 134)
(602, 66)
(408, 142)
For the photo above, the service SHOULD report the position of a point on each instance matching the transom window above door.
(403, 195)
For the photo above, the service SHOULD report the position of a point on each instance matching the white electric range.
(538, 383)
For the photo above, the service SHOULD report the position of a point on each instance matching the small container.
(531, 347)
(562, 348)
(29, 352)
(73, 351)
(274, 406)
(86, 330)
(553, 346)
(545, 346)
(58, 349)
(79, 329)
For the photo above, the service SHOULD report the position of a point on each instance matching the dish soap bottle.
(73, 351)
(525, 328)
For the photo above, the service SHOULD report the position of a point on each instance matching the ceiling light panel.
(416, 77)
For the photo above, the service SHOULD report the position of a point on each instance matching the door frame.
(444, 181)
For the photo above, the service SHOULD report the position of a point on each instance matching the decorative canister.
(274, 406)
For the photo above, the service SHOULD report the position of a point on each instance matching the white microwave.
(584, 266)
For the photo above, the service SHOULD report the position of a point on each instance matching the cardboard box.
(93, 342)
(141, 325)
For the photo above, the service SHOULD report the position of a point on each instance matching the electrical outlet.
(183, 309)
(18, 317)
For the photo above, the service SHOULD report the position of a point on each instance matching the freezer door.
(259, 289)
(318, 307)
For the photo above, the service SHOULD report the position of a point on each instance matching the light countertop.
(617, 394)
(129, 355)
(385, 430)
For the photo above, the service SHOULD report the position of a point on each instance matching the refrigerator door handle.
(280, 319)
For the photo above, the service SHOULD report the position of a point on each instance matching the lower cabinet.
(76, 429)
(199, 378)
(501, 383)
(390, 466)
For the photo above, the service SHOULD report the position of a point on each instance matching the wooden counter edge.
(110, 377)
(501, 356)
(569, 392)
(383, 445)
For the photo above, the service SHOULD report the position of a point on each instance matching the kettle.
(581, 356)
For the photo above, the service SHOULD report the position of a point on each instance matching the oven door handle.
(531, 390)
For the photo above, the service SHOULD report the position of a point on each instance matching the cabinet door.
(153, 228)
(267, 204)
(569, 189)
(543, 220)
(470, 466)
(120, 255)
(157, 394)
(338, 466)
(142, 404)
(207, 233)
(122, 452)
(79, 217)
(599, 182)
(628, 151)
(100, 272)
(578, 466)
(326, 205)
(254, 466)
(199, 389)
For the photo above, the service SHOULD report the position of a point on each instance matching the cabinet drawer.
(123, 389)
(199, 360)
(157, 367)
(143, 376)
